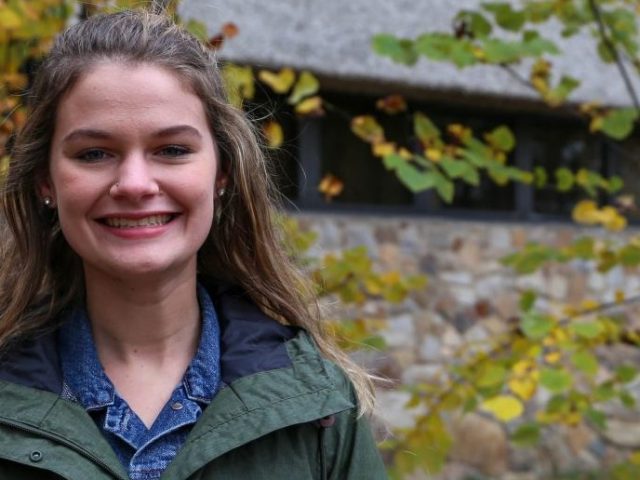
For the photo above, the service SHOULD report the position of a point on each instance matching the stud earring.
(48, 201)
(221, 191)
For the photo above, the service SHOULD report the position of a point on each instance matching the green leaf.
(561, 91)
(605, 52)
(604, 392)
(564, 179)
(501, 138)
(588, 330)
(527, 434)
(306, 85)
(476, 23)
(444, 187)
(629, 255)
(527, 300)
(493, 375)
(555, 380)
(584, 248)
(536, 325)
(501, 51)
(462, 54)
(506, 16)
(586, 362)
(627, 399)
(618, 123)
(198, 29)
(596, 417)
(540, 177)
(424, 128)
(626, 373)
(414, 179)
(615, 184)
(460, 169)
(540, 11)
(393, 161)
(534, 45)
(399, 50)
(435, 46)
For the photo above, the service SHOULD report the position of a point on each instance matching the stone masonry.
(470, 297)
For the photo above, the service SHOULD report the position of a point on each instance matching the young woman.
(151, 324)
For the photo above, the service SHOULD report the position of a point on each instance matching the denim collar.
(86, 382)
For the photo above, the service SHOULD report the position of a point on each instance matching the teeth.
(151, 221)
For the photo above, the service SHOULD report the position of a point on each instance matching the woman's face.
(133, 171)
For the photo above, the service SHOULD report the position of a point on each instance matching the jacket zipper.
(63, 441)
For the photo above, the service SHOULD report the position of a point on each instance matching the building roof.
(333, 39)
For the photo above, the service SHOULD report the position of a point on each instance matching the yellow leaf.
(522, 367)
(404, 153)
(553, 357)
(540, 84)
(619, 295)
(272, 131)
(572, 418)
(373, 286)
(586, 212)
(523, 387)
(310, 107)
(306, 86)
(612, 220)
(433, 154)
(280, 82)
(367, 128)
(331, 186)
(596, 124)
(479, 53)
(589, 304)
(390, 278)
(504, 407)
(582, 177)
(239, 82)
(383, 148)
(9, 19)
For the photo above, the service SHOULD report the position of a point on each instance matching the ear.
(45, 188)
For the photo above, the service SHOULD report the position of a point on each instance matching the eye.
(174, 151)
(92, 155)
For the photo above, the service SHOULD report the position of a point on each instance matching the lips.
(138, 222)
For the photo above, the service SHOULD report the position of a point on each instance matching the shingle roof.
(332, 38)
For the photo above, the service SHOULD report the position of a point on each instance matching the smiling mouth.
(150, 221)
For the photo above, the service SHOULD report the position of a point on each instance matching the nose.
(134, 179)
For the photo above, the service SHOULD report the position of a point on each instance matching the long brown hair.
(41, 275)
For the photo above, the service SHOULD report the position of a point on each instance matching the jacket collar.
(250, 342)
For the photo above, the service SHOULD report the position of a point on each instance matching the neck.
(152, 321)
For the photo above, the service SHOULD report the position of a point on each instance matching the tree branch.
(608, 43)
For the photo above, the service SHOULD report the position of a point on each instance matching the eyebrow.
(104, 135)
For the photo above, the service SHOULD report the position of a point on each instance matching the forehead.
(119, 90)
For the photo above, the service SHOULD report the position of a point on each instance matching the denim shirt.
(145, 452)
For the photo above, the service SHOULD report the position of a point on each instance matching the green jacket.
(285, 412)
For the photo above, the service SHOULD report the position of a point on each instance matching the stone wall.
(471, 297)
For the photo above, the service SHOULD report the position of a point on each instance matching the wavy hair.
(42, 275)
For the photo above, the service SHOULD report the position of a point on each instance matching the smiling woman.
(151, 324)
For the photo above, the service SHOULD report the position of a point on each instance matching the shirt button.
(176, 406)
(35, 456)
